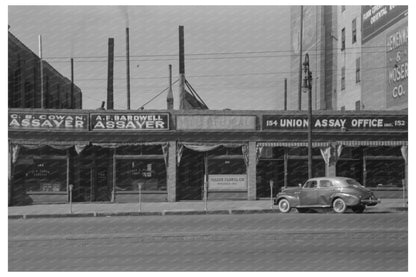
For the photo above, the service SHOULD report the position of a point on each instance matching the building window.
(357, 70)
(357, 105)
(342, 8)
(342, 108)
(343, 78)
(354, 30)
(343, 39)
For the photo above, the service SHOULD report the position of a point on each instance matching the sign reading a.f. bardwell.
(47, 121)
(130, 121)
(227, 182)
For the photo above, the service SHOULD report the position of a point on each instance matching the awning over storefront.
(120, 144)
(373, 143)
(348, 143)
(293, 144)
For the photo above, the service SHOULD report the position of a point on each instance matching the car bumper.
(370, 202)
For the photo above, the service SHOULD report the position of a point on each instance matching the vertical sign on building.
(397, 69)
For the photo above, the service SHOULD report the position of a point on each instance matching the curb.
(167, 212)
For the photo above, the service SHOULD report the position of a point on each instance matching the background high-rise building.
(24, 81)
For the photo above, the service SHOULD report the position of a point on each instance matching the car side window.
(310, 184)
(325, 183)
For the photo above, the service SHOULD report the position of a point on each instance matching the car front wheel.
(339, 205)
(284, 205)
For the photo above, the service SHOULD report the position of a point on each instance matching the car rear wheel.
(284, 206)
(358, 209)
(339, 206)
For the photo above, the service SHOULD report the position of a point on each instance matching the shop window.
(151, 150)
(343, 78)
(351, 153)
(354, 30)
(303, 151)
(226, 166)
(44, 175)
(384, 173)
(357, 70)
(17, 86)
(150, 174)
(383, 151)
(226, 151)
(28, 95)
(140, 150)
(343, 39)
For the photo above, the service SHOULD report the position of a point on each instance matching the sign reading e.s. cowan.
(47, 121)
(227, 182)
(130, 121)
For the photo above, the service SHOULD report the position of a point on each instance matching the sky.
(236, 57)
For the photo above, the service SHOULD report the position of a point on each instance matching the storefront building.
(119, 156)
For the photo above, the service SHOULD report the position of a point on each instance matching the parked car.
(338, 193)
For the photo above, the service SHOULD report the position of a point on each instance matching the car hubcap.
(339, 205)
(283, 206)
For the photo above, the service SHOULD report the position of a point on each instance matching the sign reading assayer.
(47, 121)
(130, 121)
(274, 122)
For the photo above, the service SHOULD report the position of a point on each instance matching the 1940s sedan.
(338, 193)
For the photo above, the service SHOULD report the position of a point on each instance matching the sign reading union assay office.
(282, 122)
(130, 121)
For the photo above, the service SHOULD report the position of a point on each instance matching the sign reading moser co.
(130, 121)
(47, 121)
(227, 182)
(215, 122)
(279, 122)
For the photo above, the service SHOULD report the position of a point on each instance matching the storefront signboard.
(377, 18)
(397, 70)
(215, 122)
(48, 121)
(129, 121)
(223, 182)
(326, 122)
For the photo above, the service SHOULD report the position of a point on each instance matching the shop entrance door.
(93, 183)
(191, 176)
(84, 192)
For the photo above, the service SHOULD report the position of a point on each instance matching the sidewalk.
(169, 208)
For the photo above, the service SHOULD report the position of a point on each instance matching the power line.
(157, 95)
(382, 47)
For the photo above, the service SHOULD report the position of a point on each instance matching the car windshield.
(352, 183)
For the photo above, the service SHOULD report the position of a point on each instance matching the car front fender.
(293, 200)
(350, 200)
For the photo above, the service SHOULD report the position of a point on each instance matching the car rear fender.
(350, 200)
(293, 200)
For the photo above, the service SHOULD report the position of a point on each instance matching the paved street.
(279, 242)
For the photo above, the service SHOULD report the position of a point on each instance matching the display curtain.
(165, 150)
(404, 150)
(259, 150)
(80, 147)
(205, 147)
(244, 149)
(331, 153)
(179, 152)
(15, 152)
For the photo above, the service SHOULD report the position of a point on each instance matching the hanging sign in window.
(130, 121)
(227, 182)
